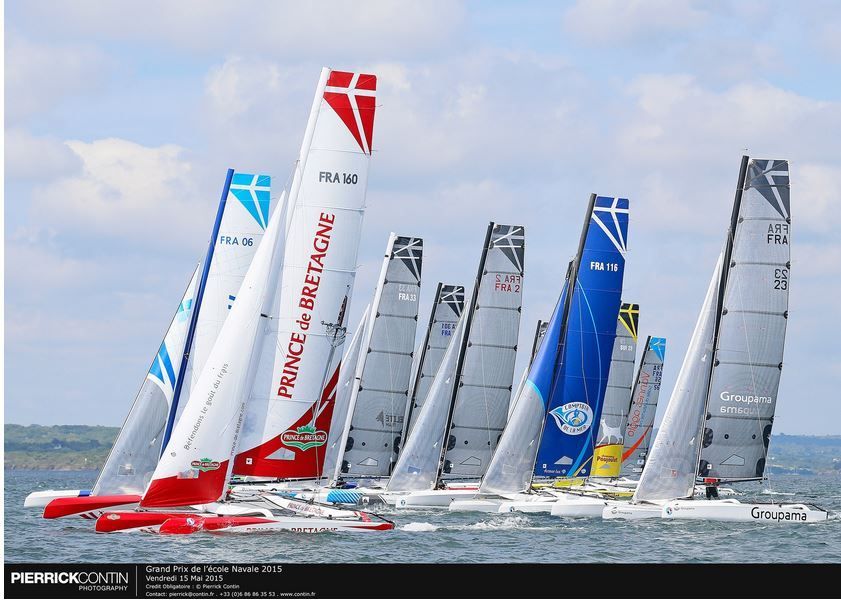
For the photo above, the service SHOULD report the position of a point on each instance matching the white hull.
(40, 498)
(731, 510)
(480, 505)
(578, 507)
(434, 499)
(630, 511)
(521, 502)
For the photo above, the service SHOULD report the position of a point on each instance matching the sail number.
(602, 266)
(234, 241)
(508, 282)
(405, 292)
(334, 177)
(781, 279)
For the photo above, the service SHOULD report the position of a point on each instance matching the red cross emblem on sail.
(352, 96)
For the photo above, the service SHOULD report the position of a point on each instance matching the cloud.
(618, 22)
(40, 76)
(128, 192)
(295, 30)
(37, 157)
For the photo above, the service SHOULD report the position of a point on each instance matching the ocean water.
(439, 536)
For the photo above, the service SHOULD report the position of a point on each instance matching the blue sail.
(575, 401)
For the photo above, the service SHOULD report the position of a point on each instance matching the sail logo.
(745, 398)
(205, 464)
(352, 97)
(304, 438)
(573, 418)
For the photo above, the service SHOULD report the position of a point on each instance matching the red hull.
(67, 506)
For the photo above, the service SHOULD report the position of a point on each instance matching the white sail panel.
(194, 466)
(446, 311)
(607, 456)
(379, 403)
(340, 421)
(135, 453)
(643, 407)
(417, 466)
(752, 329)
(486, 372)
(670, 470)
(291, 405)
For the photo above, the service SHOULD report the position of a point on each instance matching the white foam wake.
(419, 527)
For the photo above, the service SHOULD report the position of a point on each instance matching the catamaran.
(241, 218)
(265, 395)
(465, 410)
(551, 431)
(718, 423)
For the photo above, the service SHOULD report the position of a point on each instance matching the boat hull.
(434, 499)
(734, 511)
(302, 525)
(90, 507)
(630, 511)
(41, 498)
(581, 507)
(479, 505)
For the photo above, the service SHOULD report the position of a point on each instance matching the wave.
(418, 527)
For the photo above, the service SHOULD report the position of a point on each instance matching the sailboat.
(551, 431)
(275, 357)
(718, 423)
(237, 230)
(464, 414)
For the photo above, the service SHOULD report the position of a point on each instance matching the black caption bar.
(304, 581)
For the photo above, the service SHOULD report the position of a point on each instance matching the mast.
(191, 332)
(572, 276)
(410, 405)
(722, 285)
(460, 364)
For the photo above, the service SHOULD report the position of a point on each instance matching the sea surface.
(439, 536)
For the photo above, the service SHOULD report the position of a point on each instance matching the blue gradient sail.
(575, 401)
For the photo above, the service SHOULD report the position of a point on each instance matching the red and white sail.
(195, 465)
(289, 412)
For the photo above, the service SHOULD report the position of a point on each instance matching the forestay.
(486, 370)
(643, 407)
(379, 402)
(291, 405)
(446, 311)
(607, 457)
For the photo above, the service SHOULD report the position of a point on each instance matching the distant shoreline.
(73, 448)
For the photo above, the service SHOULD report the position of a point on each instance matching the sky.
(121, 119)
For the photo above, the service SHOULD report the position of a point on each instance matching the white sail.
(344, 390)
(446, 311)
(379, 401)
(670, 470)
(539, 333)
(195, 464)
(291, 406)
(486, 368)
(417, 466)
(607, 455)
(752, 328)
(138, 446)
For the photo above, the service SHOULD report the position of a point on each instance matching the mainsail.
(577, 396)
(379, 399)
(291, 404)
(485, 373)
(418, 464)
(539, 333)
(347, 383)
(446, 311)
(195, 466)
(643, 407)
(751, 328)
(135, 453)
(607, 457)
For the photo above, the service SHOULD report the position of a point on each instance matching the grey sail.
(539, 333)
(670, 470)
(446, 311)
(340, 421)
(607, 455)
(136, 451)
(751, 330)
(639, 423)
(379, 402)
(485, 375)
(417, 466)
